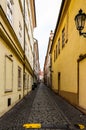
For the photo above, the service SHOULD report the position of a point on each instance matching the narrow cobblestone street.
(45, 107)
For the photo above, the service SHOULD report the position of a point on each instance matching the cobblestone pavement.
(45, 111)
(45, 107)
(74, 115)
(18, 115)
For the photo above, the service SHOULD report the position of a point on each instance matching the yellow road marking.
(34, 126)
(81, 126)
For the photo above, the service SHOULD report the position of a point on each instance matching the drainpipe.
(24, 48)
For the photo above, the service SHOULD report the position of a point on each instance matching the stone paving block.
(44, 110)
(41, 106)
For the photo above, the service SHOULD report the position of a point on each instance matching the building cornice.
(26, 28)
(12, 40)
(64, 4)
(5, 36)
(33, 11)
(9, 32)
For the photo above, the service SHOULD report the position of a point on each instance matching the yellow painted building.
(17, 21)
(68, 53)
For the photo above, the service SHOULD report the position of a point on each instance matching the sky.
(46, 17)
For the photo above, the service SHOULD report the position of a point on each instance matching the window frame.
(10, 11)
(56, 51)
(58, 46)
(11, 62)
(54, 56)
(19, 78)
(63, 37)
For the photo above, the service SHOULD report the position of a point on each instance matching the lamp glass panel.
(83, 21)
(79, 18)
(80, 21)
(77, 23)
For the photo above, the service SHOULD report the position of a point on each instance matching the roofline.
(35, 13)
(60, 12)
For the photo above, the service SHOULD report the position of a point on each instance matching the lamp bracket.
(82, 33)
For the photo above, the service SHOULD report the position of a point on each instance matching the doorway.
(82, 83)
(59, 78)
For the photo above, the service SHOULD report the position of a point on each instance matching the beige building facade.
(17, 22)
(68, 54)
(36, 64)
(47, 63)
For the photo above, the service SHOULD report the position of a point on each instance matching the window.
(66, 29)
(25, 80)
(27, 50)
(56, 51)
(20, 30)
(20, 34)
(10, 11)
(54, 55)
(8, 74)
(28, 81)
(19, 77)
(59, 46)
(63, 37)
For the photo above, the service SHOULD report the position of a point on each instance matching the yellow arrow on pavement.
(79, 126)
(33, 126)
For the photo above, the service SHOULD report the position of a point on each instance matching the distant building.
(47, 63)
(41, 75)
(36, 65)
(17, 22)
(68, 52)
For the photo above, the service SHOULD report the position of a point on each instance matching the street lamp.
(80, 22)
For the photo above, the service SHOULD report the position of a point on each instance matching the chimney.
(51, 35)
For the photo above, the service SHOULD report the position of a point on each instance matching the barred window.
(59, 46)
(63, 37)
(54, 56)
(19, 77)
(28, 81)
(56, 51)
(66, 29)
(10, 11)
(25, 80)
(20, 33)
(20, 30)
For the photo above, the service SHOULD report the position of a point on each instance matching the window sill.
(19, 89)
(8, 91)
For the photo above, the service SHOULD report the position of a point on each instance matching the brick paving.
(45, 107)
